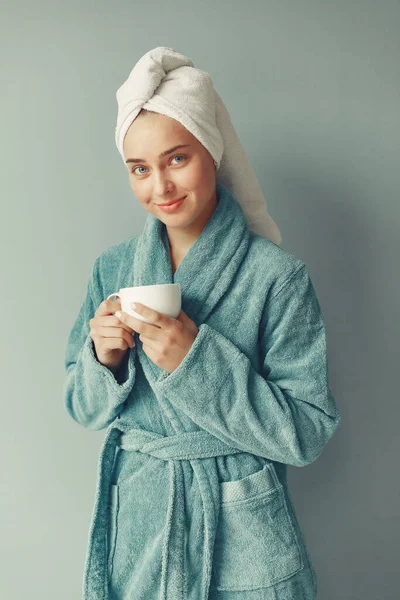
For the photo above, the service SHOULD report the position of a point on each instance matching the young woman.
(203, 412)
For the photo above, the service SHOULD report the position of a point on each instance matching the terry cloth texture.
(192, 499)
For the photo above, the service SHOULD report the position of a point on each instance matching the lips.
(172, 202)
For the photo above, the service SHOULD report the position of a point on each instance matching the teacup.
(165, 298)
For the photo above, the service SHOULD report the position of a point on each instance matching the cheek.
(197, 177)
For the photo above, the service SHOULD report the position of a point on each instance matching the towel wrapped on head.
(167, 82)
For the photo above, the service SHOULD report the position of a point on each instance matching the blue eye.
(176, 156)
(179, 156)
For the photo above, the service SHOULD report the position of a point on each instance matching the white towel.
(166, 82)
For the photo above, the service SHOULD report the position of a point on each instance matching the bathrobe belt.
(173, 448)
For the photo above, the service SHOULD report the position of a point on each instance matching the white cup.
(165, 298)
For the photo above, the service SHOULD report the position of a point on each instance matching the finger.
(155, 318)
(108, 321)
(114, 333)
(148, 329)
(187, 322)
(182, 317)
(108, 307)
(104, 343)
(113, 321)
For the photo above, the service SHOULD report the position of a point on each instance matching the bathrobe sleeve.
(93, 395)
(287, 413)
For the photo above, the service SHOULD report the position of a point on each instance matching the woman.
(203, 412)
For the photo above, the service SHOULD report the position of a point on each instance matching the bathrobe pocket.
(256, 544)
(113, 508)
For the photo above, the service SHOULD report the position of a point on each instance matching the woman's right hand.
(110, 336)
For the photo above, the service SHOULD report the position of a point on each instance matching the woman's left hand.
(166, 341)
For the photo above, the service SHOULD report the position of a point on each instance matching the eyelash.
(176, 156)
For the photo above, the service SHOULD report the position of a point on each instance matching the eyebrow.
(165, 153)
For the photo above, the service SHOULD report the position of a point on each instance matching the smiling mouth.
(173, 202)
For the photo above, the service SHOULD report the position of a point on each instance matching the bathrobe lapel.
(205, 275)
(206, 272)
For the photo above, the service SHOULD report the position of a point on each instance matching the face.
(188, 171)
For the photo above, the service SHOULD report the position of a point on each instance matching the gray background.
(313, 91)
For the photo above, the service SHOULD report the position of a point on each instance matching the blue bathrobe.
(192, 500)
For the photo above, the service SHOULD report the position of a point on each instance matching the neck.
(181, 239)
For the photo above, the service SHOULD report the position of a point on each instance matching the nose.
(162, 185)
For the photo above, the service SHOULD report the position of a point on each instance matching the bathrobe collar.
(205, 275)
(213, 258)
(206, 272)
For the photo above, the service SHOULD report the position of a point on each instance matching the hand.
(111, 337)
(166, 341)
